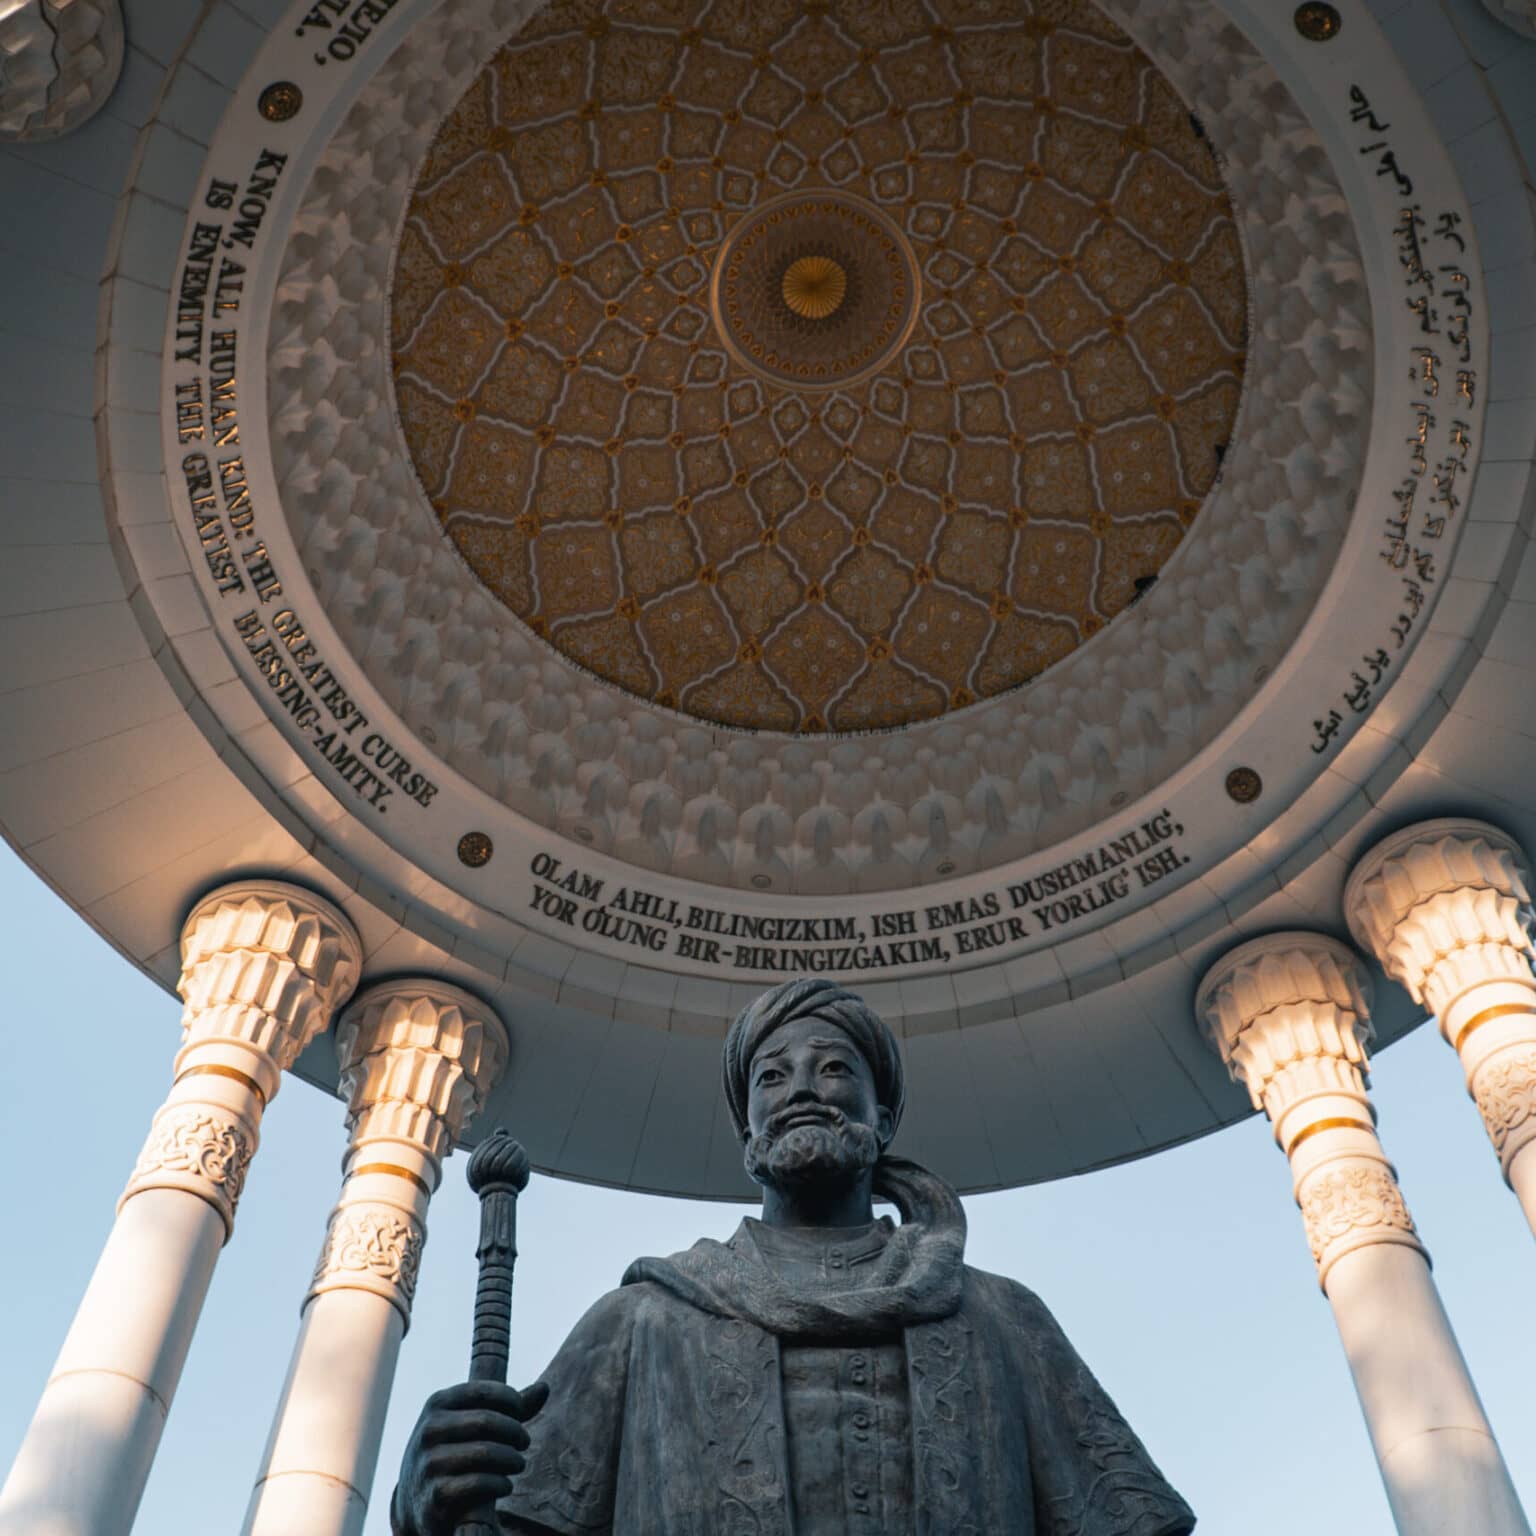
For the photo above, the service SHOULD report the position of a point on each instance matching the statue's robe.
(666, 1413)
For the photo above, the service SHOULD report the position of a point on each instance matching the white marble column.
(1289, 1015)
(264, 965)
(1445, 906)
(418, 1059)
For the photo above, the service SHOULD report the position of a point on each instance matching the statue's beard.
(830, 1150)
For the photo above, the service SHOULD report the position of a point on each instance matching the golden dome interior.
(864, 554)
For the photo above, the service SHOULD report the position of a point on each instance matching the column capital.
(265, 964)
(419, 1058)
(1445, 906)
(1286, 1013)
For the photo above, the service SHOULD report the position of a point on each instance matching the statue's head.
(814, 1084)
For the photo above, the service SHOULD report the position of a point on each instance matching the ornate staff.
(498, 1174)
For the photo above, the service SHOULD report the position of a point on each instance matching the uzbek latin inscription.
(1060, 899)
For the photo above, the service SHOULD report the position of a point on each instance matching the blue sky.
(1183, 1279)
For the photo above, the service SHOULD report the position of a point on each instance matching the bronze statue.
(822, 1373)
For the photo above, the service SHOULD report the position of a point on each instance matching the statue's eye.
(834, 1066)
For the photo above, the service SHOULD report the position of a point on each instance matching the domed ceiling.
(818, 367)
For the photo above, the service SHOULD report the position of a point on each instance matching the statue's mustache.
(802, 1114)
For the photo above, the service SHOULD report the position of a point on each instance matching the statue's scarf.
(917, 1278)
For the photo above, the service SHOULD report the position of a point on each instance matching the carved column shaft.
(1446, 908)
(418, 1059)
(1290, 1017)
(263, 967)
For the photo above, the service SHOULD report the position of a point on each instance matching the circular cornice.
(971, 791)
(630, 833)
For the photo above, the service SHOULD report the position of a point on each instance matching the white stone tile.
(1481, 554)
(207, 664)
(151, 242)
(67, 787)
(137, 837)
(130, 440)
(136, 314)
(1503, 493)
(701, 1006)
(927, 1005)
(225, 44)
(41, 577)
(35, 512)
(194, 103)
(98, 155)
(138, 87)
(67, 224)
(1084, 1101)
(140, 914)
(1512, 297)
(41, 722)
(161, 27)
(1509, 430)
(1505, 229)
(269, 752)
(647, 997)
(1462, 763)
(1514, 637)
(264, 13)
(140, 498)
(1486, 39)
(672, 1148)
(45, 647)
(1011, 1101)
(43, 375)
(593, 987)
(47, 303)
(1425, 41)
(605, 1132)
(1462, 604)
(133, 377)
(156, 551)
(1460, 102)
(942, 1130)
(1036, 981)
(1498, 693)
(47, 445)
(539, 963)
(981, 995)
(1512, 364)
(170, 166)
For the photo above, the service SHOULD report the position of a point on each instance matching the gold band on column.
(1332, 1123)
(217, 1069)
(1487, 1016)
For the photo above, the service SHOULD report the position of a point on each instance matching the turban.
(812, 998)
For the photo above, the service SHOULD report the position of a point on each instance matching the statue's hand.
(466, 1448)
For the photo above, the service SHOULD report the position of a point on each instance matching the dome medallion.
(815, 291)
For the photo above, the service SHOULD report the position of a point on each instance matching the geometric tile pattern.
(833, 561)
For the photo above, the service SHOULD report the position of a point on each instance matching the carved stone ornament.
(195, 1142)
(59, 61)
(1444, 905)
(1505, 1091)
(418, 1060)
(1353, 1206)
(375, 1245)
(267, 964)
(1289, 1014)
